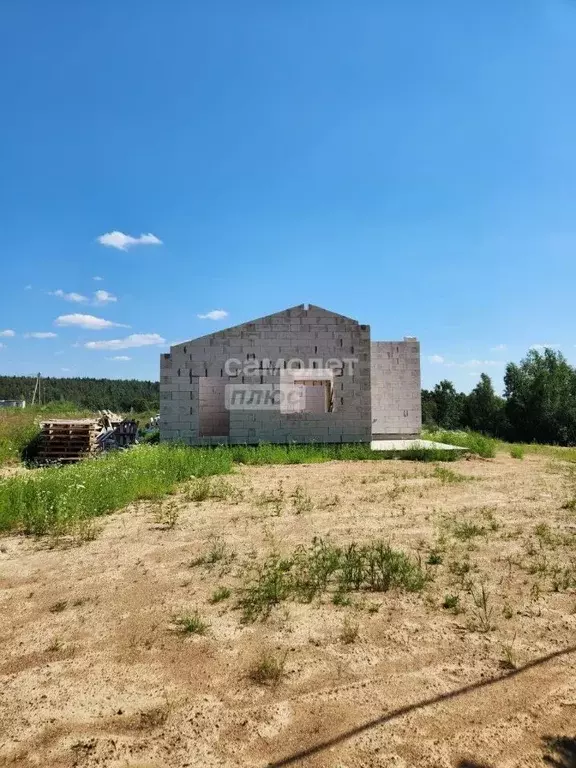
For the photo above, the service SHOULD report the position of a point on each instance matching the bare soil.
(93, 673)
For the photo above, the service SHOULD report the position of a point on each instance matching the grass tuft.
(446, 475)
(308, 573)
(268, 669)
(222, 593)
(190, 624)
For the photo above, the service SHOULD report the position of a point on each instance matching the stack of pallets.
(68, 439)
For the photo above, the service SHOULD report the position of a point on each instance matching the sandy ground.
(93, 673)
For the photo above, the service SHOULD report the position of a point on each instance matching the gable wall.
(295, 333)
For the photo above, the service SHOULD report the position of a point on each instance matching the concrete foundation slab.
(407, 445)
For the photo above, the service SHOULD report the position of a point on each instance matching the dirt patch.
(95, 672)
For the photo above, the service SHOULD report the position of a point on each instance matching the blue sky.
(409, 164)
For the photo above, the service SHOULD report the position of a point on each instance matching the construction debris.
(69, 440)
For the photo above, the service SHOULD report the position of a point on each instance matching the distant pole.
(36, 390)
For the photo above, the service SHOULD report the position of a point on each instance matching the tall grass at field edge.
(473, 441)
(54, 499)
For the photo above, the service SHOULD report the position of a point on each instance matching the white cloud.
(2, 346)
(134, 340)
(123, 242)
(466, 364)
(214, 314)
(499, 348)
(27, 287)
(540, 347)
(77, 298)
(40, 335)
(89, 322)
(66, 370)
(97, 278)
(7, 333)
(104, 297)
(474, 364)
(122, 358)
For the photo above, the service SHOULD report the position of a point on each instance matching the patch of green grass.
(517, 452)
(190, 624)
(473, 441)
(452, 603)
(434, 558)
(317, 453)
(54, 499)
(465, 530)
(309, 572)
(222, 593)
(446, 475)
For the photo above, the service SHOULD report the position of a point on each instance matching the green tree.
(484, 410)
(541, 398)
(449, 405)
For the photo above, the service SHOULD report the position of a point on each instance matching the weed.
(190, 624)
(349, 632)
(563, 579)
(508, 660)
(464, 531)
(396, 490)
(452, 603)
(517, 452)
(167, 514)
(55, 646)
(460, 570)
(222, 593)
(434, 558)
(268, 669)
(446, 475)
(218, 553)
(341, 598)
(483, 610)
(198, 489)
(310, 572)
(488, 515)
(275, 499)
(301, 501)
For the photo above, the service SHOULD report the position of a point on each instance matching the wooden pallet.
(68, 439)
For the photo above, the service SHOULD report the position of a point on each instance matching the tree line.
(539, 403)
(94, 394)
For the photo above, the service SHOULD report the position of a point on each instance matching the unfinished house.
(302, 375)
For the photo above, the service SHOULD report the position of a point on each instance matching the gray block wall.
(396, 389)
(308, 333)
